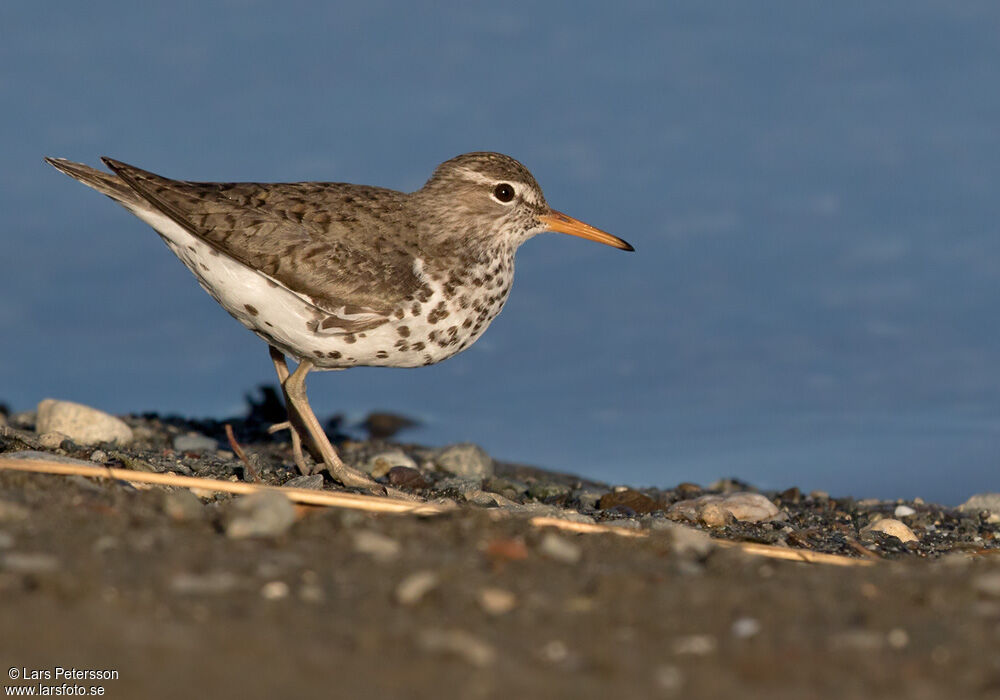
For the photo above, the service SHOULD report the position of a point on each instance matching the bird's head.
(490, 197)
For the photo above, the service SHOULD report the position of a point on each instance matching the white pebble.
(274, 590)
(414, 587)
(903, 510)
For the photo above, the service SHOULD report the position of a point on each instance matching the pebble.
(891, 526)
(695, 645)
(509, 488)
(987, 584)
(212, 583)
(745, 628)
(629, 498)
(376, 545)
(274, 590)
(99, 456)
(464, 459)
(559, 548)
(313, 482)
(544, 490)
(980, 502)
(716, 511)
(460, 644)
(684, 540)
(263, 514)
(488, 499)
(182, 505)
(195, 442)
(9, 511)
(52, 440)
(496, 601)
(903, 511)
(407, 478)
(82, 424)
(414, 587)
(29, 562)
(380, 464)
(668, 678)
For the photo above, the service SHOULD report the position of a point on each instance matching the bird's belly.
(427, 333)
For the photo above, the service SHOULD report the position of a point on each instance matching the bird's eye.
(503, 192)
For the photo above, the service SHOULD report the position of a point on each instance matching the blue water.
(812, 189)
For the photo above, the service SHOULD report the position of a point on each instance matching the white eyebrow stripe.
(522, 188)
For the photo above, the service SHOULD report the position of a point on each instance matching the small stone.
(508, 488)
(274, 590)
(460, 644)
(745, 627)
(559, 548)
(465, 459)
(695, 645)
(893, 527)
(408, 478)
(213, 583)
(262, 514)
(685, 540)
(987, 584)
(820, 496)
(496, 601)
(629, 498)
(897, 638)
(903, 511)
(195, 442)
(380, 464)
(29, 562)
(182, 505)
(82, 424)
(376, 545)
(716, 511)
(52, 440)
(99, 456)
(980, 502)
(414, 587)
(487, 499)
(11, 511)
(545, 490)
(313, 482)
(668, 678)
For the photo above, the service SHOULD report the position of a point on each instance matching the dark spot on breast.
(419, 345)
(381, 354)
(415, 309)
(312, 325)
(399, 313)
(204, 267)
(402, 345)
(428, 360)
(318, 353)
(404, 331)
(250, 309)
(335, 354)
(349, 338)
(467, 323)
(268, 324)
(463, 302)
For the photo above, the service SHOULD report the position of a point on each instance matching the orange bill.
(557, 221)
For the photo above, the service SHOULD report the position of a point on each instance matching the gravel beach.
(522, 582)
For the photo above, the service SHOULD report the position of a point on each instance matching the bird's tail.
(105, 183)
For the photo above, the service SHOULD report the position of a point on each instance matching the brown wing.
(333, 243)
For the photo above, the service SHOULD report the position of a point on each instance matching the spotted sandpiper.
(339, 275)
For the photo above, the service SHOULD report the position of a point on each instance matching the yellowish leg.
(303, 420)
(281, 367)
